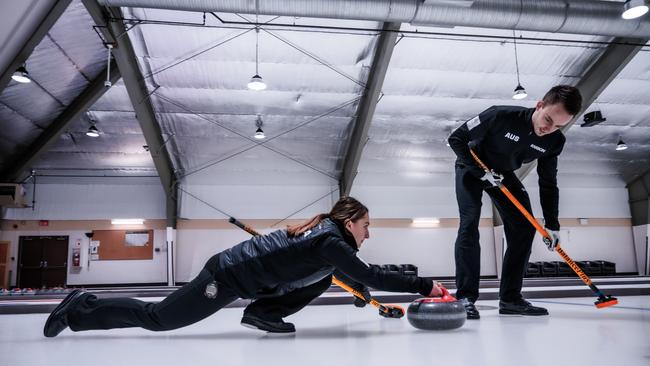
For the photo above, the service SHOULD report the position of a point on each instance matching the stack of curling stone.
(437, 313)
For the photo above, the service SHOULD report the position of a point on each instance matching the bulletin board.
(113, 244)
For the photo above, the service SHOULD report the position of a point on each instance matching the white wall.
(410, 202)
(92, 202)
(610, 243)
(99, 272)
(432, 250)
(255, 201)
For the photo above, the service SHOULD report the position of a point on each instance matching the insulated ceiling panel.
(61, 67)
(437, 81)
(198, 77)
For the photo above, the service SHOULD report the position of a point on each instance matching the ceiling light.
(520, 92)
(256, 83)
(92, 131)
(127, 221)
(425, 222)
(21, 75)
(633, 9)
(621, 145)
(259, 133)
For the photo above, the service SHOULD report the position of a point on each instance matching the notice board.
(124, 244)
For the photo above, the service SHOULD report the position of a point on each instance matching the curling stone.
(436, 313)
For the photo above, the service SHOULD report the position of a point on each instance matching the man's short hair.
(568, 95)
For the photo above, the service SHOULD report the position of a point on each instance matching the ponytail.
(298, 229)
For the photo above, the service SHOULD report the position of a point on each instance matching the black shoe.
(58, 319)
(520, 307)
(252, 321)
(470, 309)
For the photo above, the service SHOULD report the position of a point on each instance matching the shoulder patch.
(473, 122)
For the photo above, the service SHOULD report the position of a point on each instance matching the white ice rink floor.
(576, 333)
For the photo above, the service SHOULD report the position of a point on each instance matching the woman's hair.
(346, 208)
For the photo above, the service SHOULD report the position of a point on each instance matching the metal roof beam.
(366, 111)
(138, 94)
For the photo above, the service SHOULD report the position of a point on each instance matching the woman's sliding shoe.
(58, 319)
(252, 321)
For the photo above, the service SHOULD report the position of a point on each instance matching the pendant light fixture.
(633, 9)
(92, 130)
(257, 83)
(520, 92)
(621, 145)
(21, 75)
(259, 133)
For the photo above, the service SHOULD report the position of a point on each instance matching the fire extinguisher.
(76, 258)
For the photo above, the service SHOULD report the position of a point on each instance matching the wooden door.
(55, 260)
(30, 263)
(42, 261)
(4, 264)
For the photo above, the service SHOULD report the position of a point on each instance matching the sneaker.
(58, 319)
(520, 307)
(470, 309)
(253, 322)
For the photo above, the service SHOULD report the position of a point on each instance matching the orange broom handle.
(536, 224)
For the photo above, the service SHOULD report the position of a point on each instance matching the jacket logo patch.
(512, 136)
(535, 147)
(473, 123)
(306, 233)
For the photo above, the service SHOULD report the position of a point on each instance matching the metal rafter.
(115, 34)
(366, 111)
(82, 102)
(52, 16)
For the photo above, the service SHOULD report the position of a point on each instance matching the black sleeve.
(469, 134)
(339, 254)
(549, 194)
(359, 287)
(350, 282)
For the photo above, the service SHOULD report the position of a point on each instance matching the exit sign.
(44, 223)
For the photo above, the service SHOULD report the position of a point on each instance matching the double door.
(42, 261)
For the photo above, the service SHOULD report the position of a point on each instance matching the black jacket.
(504, 139)
(274, 264)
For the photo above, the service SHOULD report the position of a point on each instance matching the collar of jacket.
(529, 118)
(340, 229)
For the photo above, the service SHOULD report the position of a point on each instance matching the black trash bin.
(391, 268)
(593, 268)
(607, 268)
(534, 269)
(409, 269)
(564, 270)
(549, 269)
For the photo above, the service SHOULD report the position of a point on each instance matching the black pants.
(183, 307)
(518, 231)
(276, 308)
